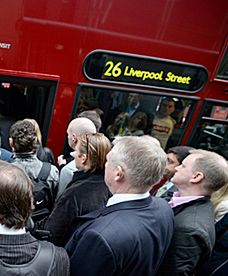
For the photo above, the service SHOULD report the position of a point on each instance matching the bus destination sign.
(122, 68)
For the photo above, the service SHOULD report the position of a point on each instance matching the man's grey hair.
(214, 168)
(142, 159)
(81, 126)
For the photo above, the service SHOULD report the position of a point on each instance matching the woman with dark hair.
(86, 192)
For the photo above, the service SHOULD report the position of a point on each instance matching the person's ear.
(84, 158)
(119, 173)
(197, 177)
(11, 143)
(73, 138)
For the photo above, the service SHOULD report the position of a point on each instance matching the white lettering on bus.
(4, 45)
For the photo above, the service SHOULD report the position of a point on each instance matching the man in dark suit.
(20, 253)
(131, 235)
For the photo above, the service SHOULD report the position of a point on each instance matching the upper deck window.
(223, 68)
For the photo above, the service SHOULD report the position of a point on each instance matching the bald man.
(76, 127)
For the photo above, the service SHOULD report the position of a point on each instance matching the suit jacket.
(86, 193)
(128, 238)
(21, 249)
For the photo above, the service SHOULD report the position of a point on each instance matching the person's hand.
(61, 160)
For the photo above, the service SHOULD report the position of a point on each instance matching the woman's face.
(80, 158)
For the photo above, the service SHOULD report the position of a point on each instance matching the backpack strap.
(44, 258)
(41, 264)
(44, 171)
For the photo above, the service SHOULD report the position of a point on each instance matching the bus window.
(25, 98)
(223, 69)
(212, 130)
(126, 112)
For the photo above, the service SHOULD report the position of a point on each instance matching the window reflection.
(212, 131)
(130, 113)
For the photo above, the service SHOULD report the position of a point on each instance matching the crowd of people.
(119, 205)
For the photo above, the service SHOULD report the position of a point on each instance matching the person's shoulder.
(61, 262)
(59, 252)
(159, 202)
(199, 217)
(6, 155)
(69, 166)
(173, 120)
(223, 205)
(54, 172)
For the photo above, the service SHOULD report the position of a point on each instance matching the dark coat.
(127, 238)
(86, 193)
(193, 239)
(218, 261)
(22, 249)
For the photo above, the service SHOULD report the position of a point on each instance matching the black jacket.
(218, 261)
(87, 192)
(193, 239)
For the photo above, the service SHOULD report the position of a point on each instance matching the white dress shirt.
(117, 198)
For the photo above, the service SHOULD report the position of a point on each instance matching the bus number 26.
(113, 69)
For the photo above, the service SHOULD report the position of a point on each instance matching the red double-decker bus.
(61, 57)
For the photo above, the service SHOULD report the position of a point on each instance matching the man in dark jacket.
(200, 174)
(131, 235)
(20, 253)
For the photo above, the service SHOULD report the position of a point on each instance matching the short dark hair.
(181, 152)
(15, 196)
(24, 136)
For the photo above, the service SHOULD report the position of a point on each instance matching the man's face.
(167, 108)
(109, 173)
(71, 138)
(133, 99)
(171, 164)
(184, 172)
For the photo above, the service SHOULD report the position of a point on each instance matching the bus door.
(25, 98)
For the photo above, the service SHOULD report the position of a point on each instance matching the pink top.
(178, 200)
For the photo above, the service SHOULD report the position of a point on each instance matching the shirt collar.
(117, 198)
(178, 200)
(11, 231)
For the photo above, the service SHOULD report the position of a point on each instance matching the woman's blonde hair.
(96, 147)
(219, 195)
(37, 129)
